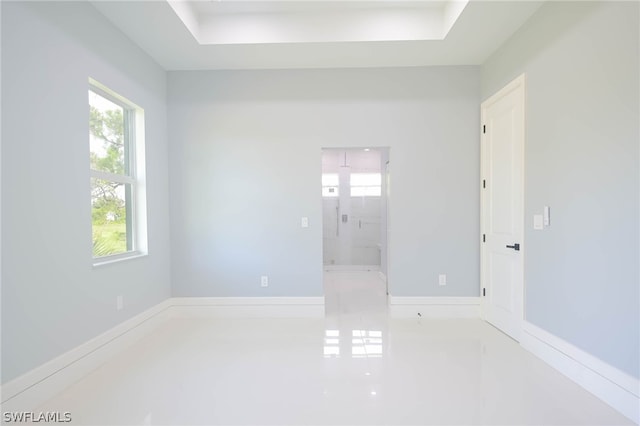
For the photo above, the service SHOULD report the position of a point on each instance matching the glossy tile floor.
(355, 367)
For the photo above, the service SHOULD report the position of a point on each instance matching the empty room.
(227, 212)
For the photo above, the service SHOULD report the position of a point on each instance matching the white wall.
(52, 298)
(582, 280)
(246, 162)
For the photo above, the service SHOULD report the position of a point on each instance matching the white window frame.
(133, 116)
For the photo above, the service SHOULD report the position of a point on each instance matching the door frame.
(519, 83)
(385, 152)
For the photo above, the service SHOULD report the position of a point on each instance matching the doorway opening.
(355, 207)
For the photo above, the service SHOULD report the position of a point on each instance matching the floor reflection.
(332, 343)
(364, 344)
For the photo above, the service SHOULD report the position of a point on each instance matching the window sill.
(117, 258)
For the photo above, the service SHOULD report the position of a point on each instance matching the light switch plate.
(305, 222)
(538, 222)
(547, 216)
(442, 279)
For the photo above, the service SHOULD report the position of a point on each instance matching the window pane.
(329, 179)
(366, 179)
(107, 136)
(366, 191)
(111, 217)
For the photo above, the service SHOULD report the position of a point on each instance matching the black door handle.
(515, 246)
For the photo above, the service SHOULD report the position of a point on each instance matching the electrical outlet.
(119, 303)
(264, 281)
(442, 279)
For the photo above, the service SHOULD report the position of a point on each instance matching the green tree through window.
(111, 175)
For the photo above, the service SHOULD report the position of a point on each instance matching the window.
(330, 183)
(116, 144)
(366, 184)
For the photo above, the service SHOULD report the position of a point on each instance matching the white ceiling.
(237, 34)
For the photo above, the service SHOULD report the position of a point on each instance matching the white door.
(503, 208)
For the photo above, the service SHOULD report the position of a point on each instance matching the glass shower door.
(351, 197)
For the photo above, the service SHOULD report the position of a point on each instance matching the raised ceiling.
(236, 34)
(235, 22)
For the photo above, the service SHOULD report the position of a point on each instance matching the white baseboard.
(351, 268)
(434, 307)
(618, 389)
(33, 388)
(247, 307)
